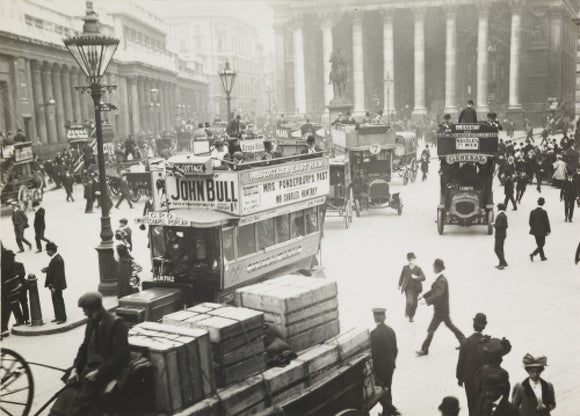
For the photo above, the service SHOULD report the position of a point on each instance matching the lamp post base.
(108, 283)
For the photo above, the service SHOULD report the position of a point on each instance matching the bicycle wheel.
(16, 384)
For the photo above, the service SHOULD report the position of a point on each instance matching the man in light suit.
(56, 282)
(539, 228)
(500, 225)
(468, 114)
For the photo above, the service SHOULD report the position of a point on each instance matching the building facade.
(423, 58)
(38, 77)
(212, 33)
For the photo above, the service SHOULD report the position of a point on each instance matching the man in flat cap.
(384, 353)
(100, 358)
(534, 396)
(449, 406)
(471, 358)
(438, 296)
(56, 282)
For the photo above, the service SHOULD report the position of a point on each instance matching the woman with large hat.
(534, 396)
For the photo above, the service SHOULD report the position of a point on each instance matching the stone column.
(327, 23)
(482, 63)
(135, 109)
(450, 60)
(280, 87)
(299, 76)
(47, 94)
(75, 95)
(66, 93)
(83, 99)
(419, 62)
(388, 64)
(514, 88)
(358, 78)
(144, 100)
(39, 108)
(124, 107)
(57, 94)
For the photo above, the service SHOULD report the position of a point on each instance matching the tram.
(213, 231)
(467, 155)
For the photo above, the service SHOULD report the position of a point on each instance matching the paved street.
(534, 305)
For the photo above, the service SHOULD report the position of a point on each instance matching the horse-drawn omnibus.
(467, 155)
(213, 231)
(20, 175)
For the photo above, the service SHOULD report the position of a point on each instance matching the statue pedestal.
(337, 106)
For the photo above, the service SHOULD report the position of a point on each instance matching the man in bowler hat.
(384, 353)
(539, 228)
(501, 226)
(438, 296)
(471, 358)
(410, 284)
(56, 282)
(449, 406)
(468, 114)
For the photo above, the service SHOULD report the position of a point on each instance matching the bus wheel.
(490, 222)
(440, 221)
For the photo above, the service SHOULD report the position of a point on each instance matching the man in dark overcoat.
(468, 114)
(100, 358)
(539, 228)
(569, 193)
(438, 296)
(471, 358)
(410, 284)
(20, 223)
(501, 226)
(39, 225)
(56, 282)
(384, 353)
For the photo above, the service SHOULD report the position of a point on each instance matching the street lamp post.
(93, 53)
(228, 76)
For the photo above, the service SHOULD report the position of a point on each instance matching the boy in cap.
(534, 396)
(471, 358)
(410, 284)
(438, 296)
(384, 353)
(449, 406)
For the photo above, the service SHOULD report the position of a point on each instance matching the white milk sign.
(467, 143)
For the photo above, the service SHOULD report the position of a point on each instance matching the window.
(265, 233)
(38, 23)
(282, 228)
(246, 240)
(29, 20)
(228, 236)
(296, 224)
(311, 220)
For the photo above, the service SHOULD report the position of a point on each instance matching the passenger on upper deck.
(306, 128)
(312, 147)
(445, 125)
(200, 133)
(339, 119)
(468, 114)
(234, 129)
(281, 121)
(219, 152)
(269, 152)
(493, 121)
(367, 119)
(349, 119)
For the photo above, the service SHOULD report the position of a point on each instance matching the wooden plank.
(206, 407)
(319, 357)
(185, 375)
(205, 307)
(254, 347)
(231, 374)
(314, 336)
(177, 317)
(234, 343)
(279, 378)
(243, 395)
(304, 325)
(283, 395)
(302, 314)
(194, 370)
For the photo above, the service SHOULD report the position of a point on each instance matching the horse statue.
(338, 76)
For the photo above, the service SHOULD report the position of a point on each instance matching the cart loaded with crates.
(21, 176)
(279, 351)
(370, 150)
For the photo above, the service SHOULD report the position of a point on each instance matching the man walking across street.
(123, 226)
(500, 225)
(20, 223)
(471, 357)
(438, 296)
(68, 183)
(384, 354)
(56, 282)
(539, 228)
(125, 192)
(568, 194)
(410, 284)
(39, 226)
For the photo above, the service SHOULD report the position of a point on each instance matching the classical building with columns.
(421, 57)
(38, 76)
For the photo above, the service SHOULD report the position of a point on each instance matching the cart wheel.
(351, 412)
(37, 195)
(16, 384)
(114, 187)
(24, 196)
(134, 194)
(440, 221)
(490, 222)
(414, 172)
(406, 177)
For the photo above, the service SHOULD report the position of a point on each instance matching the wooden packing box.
(351, 342)
(201, 349)
(226, 375)
(314, 335)
(284, 382)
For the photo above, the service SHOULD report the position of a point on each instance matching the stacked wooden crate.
(181, 362)
(236, 334)
(303, 309)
